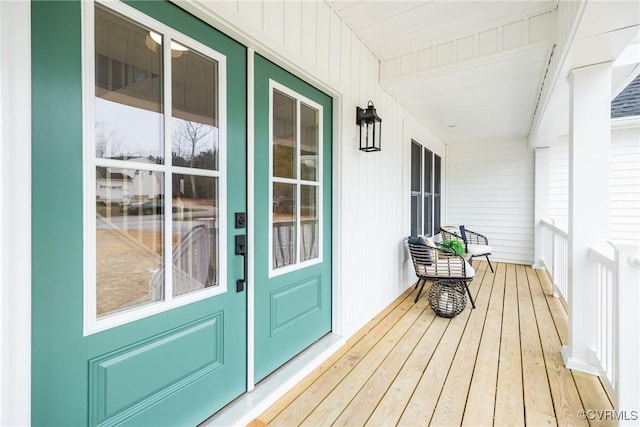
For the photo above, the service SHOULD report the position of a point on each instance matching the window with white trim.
(296, 180)
(155, 187)
(425, 191)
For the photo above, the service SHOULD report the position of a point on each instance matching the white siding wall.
(371, 192)
(559, 183)
(624, 183)
(490, 189)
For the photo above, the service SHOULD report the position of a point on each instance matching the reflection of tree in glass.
(189, 137)
(107, 145)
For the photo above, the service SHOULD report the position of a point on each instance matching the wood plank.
(555, 306)
(509, 408)
(538, 405)
(566, 400)
(409, 367)
(451, 404)
(391, 407)
(595, 399)
(364, 403)
(332, 406)
(482, 390)
(294, 403)
(419, 409)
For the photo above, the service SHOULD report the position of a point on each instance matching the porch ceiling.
(469, 70)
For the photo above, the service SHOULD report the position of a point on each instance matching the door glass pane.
(128, 103)
(284, 224)
(129, 238)
(308, 222)
(309, 136)
(194, 83)
(284, 135)
(195, 233)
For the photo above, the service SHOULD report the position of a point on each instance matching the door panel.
(292, 216)
(176, 367)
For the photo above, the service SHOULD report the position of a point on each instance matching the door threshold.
(251, 404)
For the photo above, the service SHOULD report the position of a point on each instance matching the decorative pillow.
(423, 258)
(463, 233)
(429, 241)
(416, 240)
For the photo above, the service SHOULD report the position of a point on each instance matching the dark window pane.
(416, 214)
(428, 159)
(437, 169)
(436, 213)
(428, 215)
(415, 166)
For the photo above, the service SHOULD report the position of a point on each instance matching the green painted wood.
(283, 329)
(180, 381)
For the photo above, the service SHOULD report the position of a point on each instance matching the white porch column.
(627, 376)
(589, 145)
(541, 203)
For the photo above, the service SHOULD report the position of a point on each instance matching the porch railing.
(606, 322)
(556, 258)
(616, 284)
(617, 278)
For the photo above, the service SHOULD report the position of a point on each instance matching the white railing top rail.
(604, 255)
(551, 223)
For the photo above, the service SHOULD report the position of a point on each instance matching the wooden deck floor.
(499, 364)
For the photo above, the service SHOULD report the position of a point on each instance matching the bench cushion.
(476, 250)
(442, 268)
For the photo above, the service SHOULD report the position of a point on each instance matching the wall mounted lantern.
(370, 125)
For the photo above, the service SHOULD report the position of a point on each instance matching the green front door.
(138, 159)
(292, 216)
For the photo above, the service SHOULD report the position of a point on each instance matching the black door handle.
(241, 249)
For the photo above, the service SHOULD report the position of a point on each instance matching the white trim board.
(15, 217)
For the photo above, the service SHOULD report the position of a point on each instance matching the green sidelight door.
(139, 167)
(292, 268)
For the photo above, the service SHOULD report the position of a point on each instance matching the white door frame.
(15, 216)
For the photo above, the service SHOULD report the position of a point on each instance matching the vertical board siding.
(373, 193)
(292, 26)
(624, 181)
(323, 39)
(490, 190)
(308, 35)
(274, 15)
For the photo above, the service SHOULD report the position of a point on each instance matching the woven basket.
(447, 299)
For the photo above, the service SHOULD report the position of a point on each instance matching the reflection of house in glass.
(120, 185)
